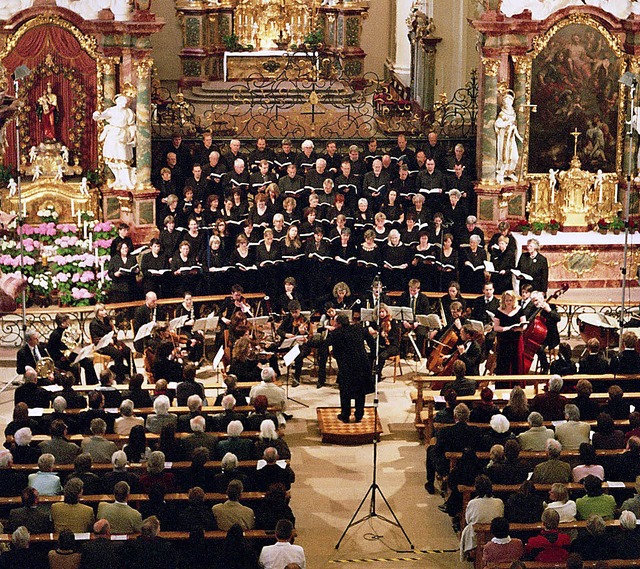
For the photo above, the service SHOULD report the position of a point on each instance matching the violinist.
(295, 324)
(243, 364)
(100, 326)
(508, 324)
(469, 350)
(453, 295)
(387, 329)
(234, 303)
(167, 362)
(195, 340)
(290, 293)
(550, 317)
(419, 304)
(238, 327)
(123, 269)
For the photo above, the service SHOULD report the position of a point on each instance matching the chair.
(101, 359)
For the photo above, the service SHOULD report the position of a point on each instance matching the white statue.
(541, 9)
(10, 7)
(553, 181)
(64, 152)
(506, 135)
(500, 177)
(121, 10)
(88, 9)
(33, 154)
(84, 187)
(59, 173)
(36, 172)
(119, 138)
(12, 187)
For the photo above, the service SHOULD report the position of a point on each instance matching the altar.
(240, 65)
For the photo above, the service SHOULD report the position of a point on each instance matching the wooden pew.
(467, 492)
(105, 467)
(521, 426)
(216, 535)
(123, 439)
(426, 398)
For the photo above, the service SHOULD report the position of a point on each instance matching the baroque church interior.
(429, 208)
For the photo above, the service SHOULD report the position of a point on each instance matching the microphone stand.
(374, 487)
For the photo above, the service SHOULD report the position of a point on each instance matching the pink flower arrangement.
(67, 227)
(81, 293)
(66, 241)
(63, 277)
(105, 226)
(103, 243)
(86, 277)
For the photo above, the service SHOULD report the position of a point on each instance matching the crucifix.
(575, 135)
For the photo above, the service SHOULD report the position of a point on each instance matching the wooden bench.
(426, 399)
(107, 467)
(143, 411)
(521, 426)
(216, 535)
(123, 439)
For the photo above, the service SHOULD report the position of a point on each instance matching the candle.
(616, 198)
(73, 209)
(24, 209)
(600, 194)
(536, 198)
(96, 256)
(84, 230)
(78, 220)
(102, 271)
(90, 240)
(553, 195)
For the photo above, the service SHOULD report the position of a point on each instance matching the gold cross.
(575, 135)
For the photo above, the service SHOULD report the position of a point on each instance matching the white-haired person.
(269, 438)
(45, 481)
(12, 482)
(161, 417)
(275, 395)
(242, 447)
(499, 433)
(22, 451)
(127, 419)
(156, 475)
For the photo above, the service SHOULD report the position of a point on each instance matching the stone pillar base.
(496, 203)
(137, 208)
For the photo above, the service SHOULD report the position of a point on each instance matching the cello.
(446, 346)
(536, 331)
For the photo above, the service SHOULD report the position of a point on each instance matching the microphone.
(356, 302)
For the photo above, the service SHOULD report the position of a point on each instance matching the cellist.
(546, 315)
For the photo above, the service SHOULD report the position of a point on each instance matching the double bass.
(536, 331)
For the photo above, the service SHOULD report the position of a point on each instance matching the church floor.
(331, 481)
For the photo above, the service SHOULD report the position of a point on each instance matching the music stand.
(374, 487)
(288, 359)
(204, 325)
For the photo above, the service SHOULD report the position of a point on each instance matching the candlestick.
(73, 209)
(78, 224)
(553, 195)
(95, 263)
(84, 230)
(600, 194)
(90, 240)
(616, 198)
(102, 272)
(536, 196)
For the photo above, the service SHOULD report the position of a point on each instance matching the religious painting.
(574, 85)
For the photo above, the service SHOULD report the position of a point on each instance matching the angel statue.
(118, 138)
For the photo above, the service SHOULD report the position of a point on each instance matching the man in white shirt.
(275, 395)
(283, 551)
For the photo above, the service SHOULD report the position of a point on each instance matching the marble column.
(109, 84)
(402, 56)
(521, 80)
(489, 113)
(143, 123)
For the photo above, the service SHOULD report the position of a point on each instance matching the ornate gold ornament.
(580, 262)
(491, 66)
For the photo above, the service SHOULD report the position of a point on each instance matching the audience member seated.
(30, 393)
(241, 447)
(445, 415)
(21, 449)
(512, 470)
(524, 506)
(589, 409)
(269, 438)
(64, 451)
(485, 408)
(120, 473)
(273, 508)
(91, 482)
(136, 449)
(20, 420)
(236, 551)
(594, 363)
(270, 471)
(45, 481)
(197, 474)
(627, 361)
(101, 552)
(502, 548)
(596, 501)
(551, 403)
(232, 511)
(606, 435)
(616, 406)
(156, 475)
(231, 381)
(574, 432)
(626, 543)
(220, 421)
(260, 413)
(65, 556)
(11, 481)
(563, 365)
(170, 445)
(140, 397)
(197, 515)
(499, 434)
(588, 464)
(20, 554)
(550, 545)
(481, 509)
(70, 514)
(150, 550)
(594, 543)
(59, 413)
(96, 445)
(230, 471)
(111, 394)
(283, 553)
(199, 438)
(127, 419)
(275, 395)
(194, 404)
(95, 411)
(121, 517)
(189, 386)
(627, 465)
(461, 384)
(559, 501)
(157, 506)
(74, 399)
(536, 437)
(463, 474)
(553, 469)
(161, 417)
(29, 514)
(517, 410)
(496, 460)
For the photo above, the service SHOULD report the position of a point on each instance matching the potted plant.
(603, 226)
(553, 226)
(523, 226)
(633, 226)
(537, 227)
(616, 225)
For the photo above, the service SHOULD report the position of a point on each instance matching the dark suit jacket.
(422, 303)
(101, 553)
(456, 438)
(480, 307)
(141, 316)
(25, 358)
(33, 395)
(34, 519)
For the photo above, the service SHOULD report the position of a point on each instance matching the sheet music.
(178, 322)
(104, 341)
(145, 330)
(206, 324)
(288, 342)
(292, 354)
(218, 358)
(401, 313)
(85, 352)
